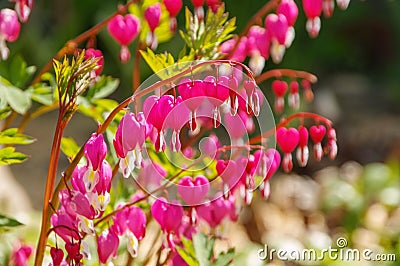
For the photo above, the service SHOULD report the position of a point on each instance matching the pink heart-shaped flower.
(124, 28)
(287, 139)
(193, 191)
(277, 27)
(279, 87)
(216, 91)
(303, 136)
(317, 133)
(226, 170)
(192, 92)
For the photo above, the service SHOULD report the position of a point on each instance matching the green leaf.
(10, 156)
(4, 112)
(19, 100)
(158, 62)
(205, 36)
(102, 88)
(69, 147)
(8, 222)
(225, 258)
(42, 93)
(203, 247)
(20, 73)
(11, 136)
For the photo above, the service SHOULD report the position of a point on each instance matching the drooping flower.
(168, 216)
(124, 30)
(20, 255)
(218, 209)
(302, 153)
(152, 14)
(294, 97)
(240, 52)
(313, 10)
(156, 110)
(277, 26)
(193, 191)
(279, 87)
(176, 119)
(258, 46)
(217, 92)
(95, 150)
(287, 139)
(289, 9)
(23, 9)
(57, 256)
(107, 245)
(95, 153)
(317, 133)
(128, 146)
(173, 7)
(192, 93)
(132, 223)
(9, 30)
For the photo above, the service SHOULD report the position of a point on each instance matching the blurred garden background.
(357, 60)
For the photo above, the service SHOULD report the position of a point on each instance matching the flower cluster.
(10, 24)
(204, 190)
(278, 32)
(290, 138)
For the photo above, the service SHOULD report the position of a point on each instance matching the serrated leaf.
(11, 136)
(8, 222)
(19, 100)
(158, 62)
(69, 147)
(206, 36)
(8, 156)
(203, 247)
(225, 258)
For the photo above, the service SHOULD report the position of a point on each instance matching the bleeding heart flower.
(287, 139)
(289, 9)
(193, 191)
(9, 30)
(95, 150)
(57, 255)
(169, 216)
(277, 26)
(107, 245)
(23, 9)
(152, 15)
(227, 170)
(124, 29)
(313, 10)
(302, 150)
(317, 133)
